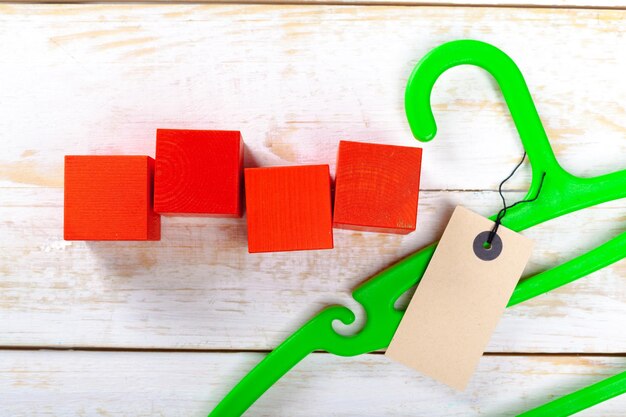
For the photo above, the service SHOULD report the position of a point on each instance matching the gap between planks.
(192, 350)
(359, 3)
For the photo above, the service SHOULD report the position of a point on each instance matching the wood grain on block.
(289, 208)
(377, 187)
(198, 172)
(109, 198)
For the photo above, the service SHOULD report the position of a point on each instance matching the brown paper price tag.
(460, 299)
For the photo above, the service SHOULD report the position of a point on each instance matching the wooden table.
(166, 328)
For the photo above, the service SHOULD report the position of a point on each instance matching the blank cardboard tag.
(460, 299)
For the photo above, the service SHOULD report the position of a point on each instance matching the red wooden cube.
(376, 187)
(109, 198)
(289, 208)
(198, 172)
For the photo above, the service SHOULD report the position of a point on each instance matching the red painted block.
(376, 187)
(109, 198)
(289, 208)
(198, 173)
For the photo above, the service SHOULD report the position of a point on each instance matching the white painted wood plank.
(198, 288)
(297, 79)
(141, 384)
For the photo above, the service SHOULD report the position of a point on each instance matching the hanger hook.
(509, 78)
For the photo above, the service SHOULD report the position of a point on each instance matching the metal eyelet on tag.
(487, 253)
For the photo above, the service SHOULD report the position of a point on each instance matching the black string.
(502, 212)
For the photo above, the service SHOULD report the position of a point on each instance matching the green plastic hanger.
(561, 193)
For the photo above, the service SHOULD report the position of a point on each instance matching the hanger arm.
(377, 297)
(581, 399)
